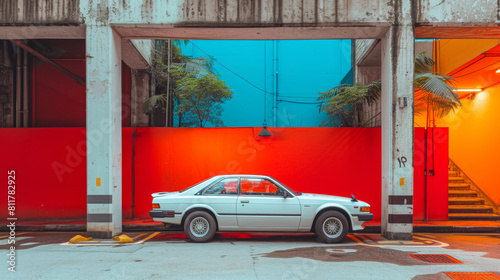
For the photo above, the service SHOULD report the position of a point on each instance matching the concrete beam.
(42, 32)
(363, 51)
(45, 59)
(397, 126)
(40, 12)
(146, 31)
(457, 12)
(146, 48)
(104, 138)
(258, 13)
(245, 13)
(137, 53)
(140, 93)
(372, 56)
(458, 32)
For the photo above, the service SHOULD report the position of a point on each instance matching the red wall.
(59, 101)
(437, 186)
(51, 180)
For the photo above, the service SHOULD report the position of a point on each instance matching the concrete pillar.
(140, 93)
(104, 139)
(397, 125)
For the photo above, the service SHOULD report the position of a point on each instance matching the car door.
(262, 205)
(222, 197)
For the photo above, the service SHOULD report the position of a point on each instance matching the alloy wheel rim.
(199, 226)
(332, 227)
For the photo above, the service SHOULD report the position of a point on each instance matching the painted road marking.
(400, 243)
(149, 237)
(142, 234)
(29, 243)
(17, 233)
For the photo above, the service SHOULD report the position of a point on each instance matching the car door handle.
(245, 201)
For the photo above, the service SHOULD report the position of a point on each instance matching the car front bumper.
(365, 217)
(359, 219)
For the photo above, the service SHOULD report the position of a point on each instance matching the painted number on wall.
(402, 161)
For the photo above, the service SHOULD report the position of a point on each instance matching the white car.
(249, 203)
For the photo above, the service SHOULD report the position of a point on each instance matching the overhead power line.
(253, 85)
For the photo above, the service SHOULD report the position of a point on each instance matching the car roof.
(241, 175)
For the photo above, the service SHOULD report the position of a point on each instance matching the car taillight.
(156, 205)
(364, 209)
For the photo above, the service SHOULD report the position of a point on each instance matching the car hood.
(158, 194)
(324, 197)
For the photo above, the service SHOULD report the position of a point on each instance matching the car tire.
(331, 227)
(200, 226)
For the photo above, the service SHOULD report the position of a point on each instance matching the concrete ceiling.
(374, 57)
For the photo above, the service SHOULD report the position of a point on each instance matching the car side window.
(225, 186)
(258, 186)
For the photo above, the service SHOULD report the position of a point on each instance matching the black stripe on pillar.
(100, 234)
(400, 218)
(99, 199)
(400, 199)
(99, 218)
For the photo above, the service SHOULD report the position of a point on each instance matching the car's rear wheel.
(200, 226)
(331, 227)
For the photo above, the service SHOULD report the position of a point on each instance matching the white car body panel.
(269, 212)
(240, 212)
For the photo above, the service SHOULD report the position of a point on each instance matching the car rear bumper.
(162, 214)
(166, 216)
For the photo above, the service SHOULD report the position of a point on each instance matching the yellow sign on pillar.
(98, 182)
(401, 182)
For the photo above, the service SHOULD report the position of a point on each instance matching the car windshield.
(196, 185)
(288, 188)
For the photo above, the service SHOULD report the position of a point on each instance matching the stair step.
(452, 173)
(462, 193)
(465, 201)
(469, 209)
(473, 216)
(455, 179)
(459, 186)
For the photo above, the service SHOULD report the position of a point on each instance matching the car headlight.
(365, 209)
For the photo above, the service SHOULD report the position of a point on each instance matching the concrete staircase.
(464, 202)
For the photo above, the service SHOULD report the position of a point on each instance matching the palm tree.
(170, 66)
(342, 102)
(433, 92)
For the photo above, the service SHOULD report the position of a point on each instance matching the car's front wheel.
(200, 226)
(331, 227)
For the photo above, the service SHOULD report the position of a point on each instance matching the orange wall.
(456, 52)
(475, 139)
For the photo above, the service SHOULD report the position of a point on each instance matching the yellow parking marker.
(79, 238)
(123, 238)
(149, 237)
